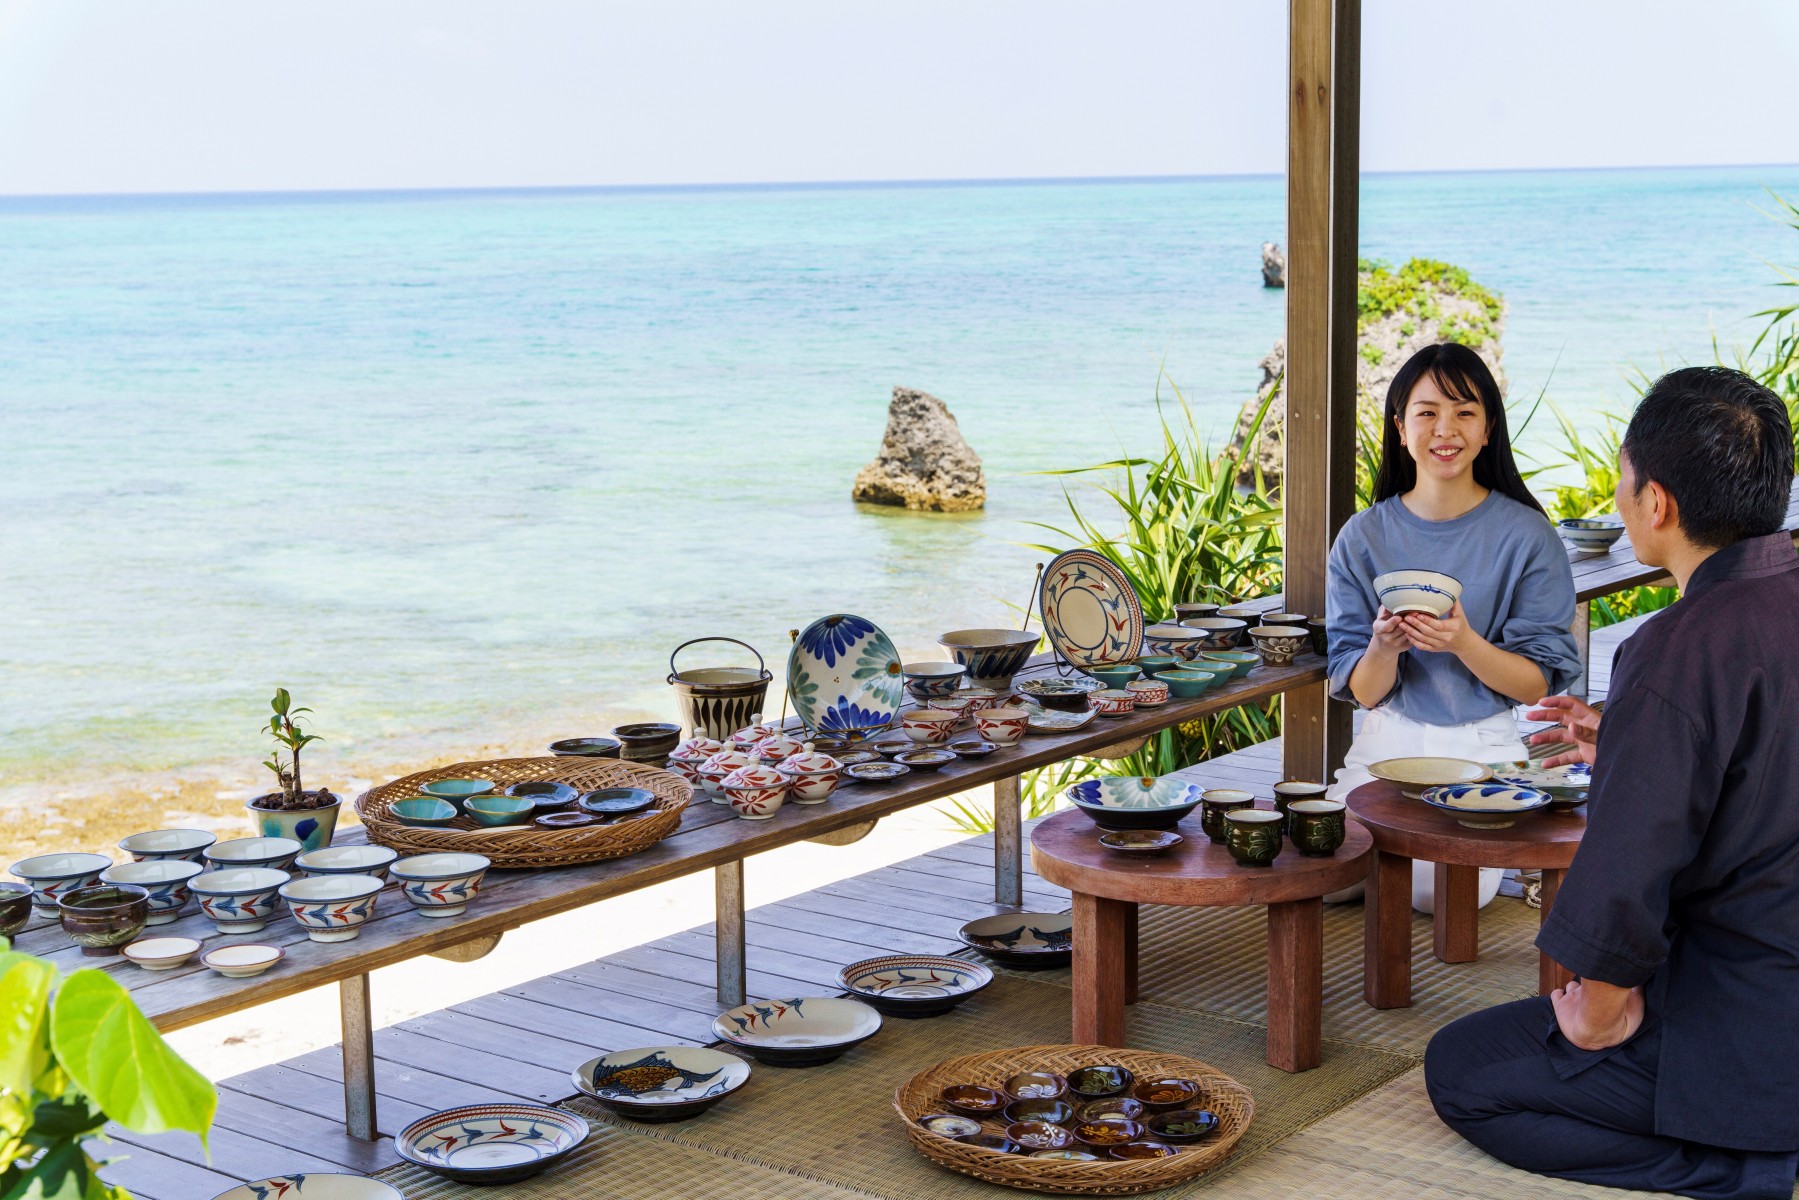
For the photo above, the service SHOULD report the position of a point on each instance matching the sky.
(106, 96)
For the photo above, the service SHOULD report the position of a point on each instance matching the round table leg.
(1387, 932)
(1550, 974)
(1295, 983)
(1100, 928)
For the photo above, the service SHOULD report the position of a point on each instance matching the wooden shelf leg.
(1455, 920)
(1550, 974)
(1130, 953)
(1387, 932)
(727, 932)
(1008, 843)
(1295, 983)
(1099, 938)
(359, 1057)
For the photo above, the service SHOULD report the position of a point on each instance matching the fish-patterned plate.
(662, 1083)
(797, 1033)
(845, 678)
(914, 985)
(1090, 610)
(491, 1143)
(1031, 941)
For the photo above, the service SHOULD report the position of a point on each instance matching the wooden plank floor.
(520, 1043)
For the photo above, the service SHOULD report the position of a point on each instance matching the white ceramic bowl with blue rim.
(1591, 535)
(1178, 640)
(166, 879)
(655, 1084)
(239, 899)
(802, 1032)
(332, 908)
(1135, 802)
(185, 844)
(1430, 592)
(1486, 805)
(275, 852)
(440, 885)
(914, 985)
(312, 1186)
(490, 1143)
(992, 656)
(347, 860)
(52, 876)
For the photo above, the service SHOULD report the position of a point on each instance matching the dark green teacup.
(1215, 803)
(1253, 836)
(1316, 826)
(1294, 789)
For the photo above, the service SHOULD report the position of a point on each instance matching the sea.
(466, 468)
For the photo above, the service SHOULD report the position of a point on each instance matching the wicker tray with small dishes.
(921, 1096)
(532, 845)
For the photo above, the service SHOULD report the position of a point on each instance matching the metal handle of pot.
(760, 665)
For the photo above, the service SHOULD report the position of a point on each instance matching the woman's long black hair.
(1459, 374)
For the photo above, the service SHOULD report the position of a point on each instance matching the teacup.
(1320, 642)
(1294, 789)
(1253, 836)
(929, 726)
(1003, 726)
(1113, 702)
(1147, 693)
(1215, 803)
(1316, 827)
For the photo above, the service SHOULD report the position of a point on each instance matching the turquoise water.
(463, 468)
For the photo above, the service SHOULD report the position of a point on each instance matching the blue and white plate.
(312, 1185)
(491, 1143)
(1486, 805)
(914, 985)
(845, 678)
(1090, 610)
(1135, 802)
(662, 1083)
(1557, 781)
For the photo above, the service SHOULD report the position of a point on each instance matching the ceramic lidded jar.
(756, 791)
(687, 758)
(811, 776)
(712, 772)
(777, 747)
(745, 739)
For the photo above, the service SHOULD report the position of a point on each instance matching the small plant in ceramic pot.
(309, 817)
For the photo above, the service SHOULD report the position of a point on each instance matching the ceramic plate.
(1485, 805)
(1079, 685)
(1022, 939)
(325, 1186)
(1413, 775)
(915, 977)
(490, 1143)
(662, 1075)
(1090, 611)
(1054, 720)
(1575, 777)
(808, 1030)
(845, 678)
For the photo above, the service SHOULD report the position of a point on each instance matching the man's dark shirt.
(1688, 878)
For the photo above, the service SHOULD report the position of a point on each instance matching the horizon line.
(823, 184)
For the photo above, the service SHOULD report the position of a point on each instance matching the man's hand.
(1450, 634)
(1595, 1016)
(1579, 724)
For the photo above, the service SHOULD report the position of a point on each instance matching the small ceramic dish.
(184, 844)
(318, 1185)
(564, 820)
(275, 853)
(102, 917)
(1166, 1093)
(161, 953)
(1030, 941)
(495, 811)
(491, 1143)
(1069, 1155)
(1057, 1111)
(1184, 1126)
(456, 791)
(1148, 693)
(1107, 1132)
(950, 1125)
(617, 801)
(1039, 1135)
(1591, 535)
(332, 908)
(588, 747)
(1189, 683)
(1429, 592)
(974, 1100)
(890, 744)
(440, 885)
(1121, 1108)
(242, 960)
(929, 680)
(1140, 841)
(972, 747)
(998, 1143)
(347, 860)
(1113, 702)
(15, 907)
(1115, 675)
(797, 1033)
(1486, 805)
(425, 812)
(53, 875)
(1045, 720)
(1280, 644)
(1101, 1081)
(929, 726)
(855, 758)
(1240, 662)
(1138, 1151)
(914, 985)
(240, 899)
(1065, 694)
(1414, 775)
(1213, 633)
(655, 1084)
(165, 879)
(1133, 802)
(1567, 785)
(546, 795)
(926, 759)
(1035, 1085)
(876, 772)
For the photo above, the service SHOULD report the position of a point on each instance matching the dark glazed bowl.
(973, 1100)
(1035, 1085)
(1136, 1151)
(1184, 1126)
(1056, 1112)
(617, 801)
(647, 741)
(1100, 1081)
(545, 795)
(105, 916)
(1167, 1094)
(1121, 1108)
(565, 820)
(1108, 1132)
(594, 747)
(15, 907)
(992, 1141)
(1040, 1135)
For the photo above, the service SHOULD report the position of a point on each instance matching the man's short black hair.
(1722, 446)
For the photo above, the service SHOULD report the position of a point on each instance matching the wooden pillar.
(1318, 485)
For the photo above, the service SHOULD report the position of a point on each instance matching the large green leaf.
(24, 992)
(116, 1056)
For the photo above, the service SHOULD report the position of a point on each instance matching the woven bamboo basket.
(529, 845)
(921, 1096)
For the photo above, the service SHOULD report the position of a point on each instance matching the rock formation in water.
(1401, 312)
(924, 463)
(1274, 265)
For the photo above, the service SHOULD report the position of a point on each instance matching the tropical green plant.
(75, 1054)
(284, 728)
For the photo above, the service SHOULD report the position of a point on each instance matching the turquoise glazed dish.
(1189, 683)
(457, 791)
(1241, 662)
(427, 812)
(1116, 676)
(499, 810)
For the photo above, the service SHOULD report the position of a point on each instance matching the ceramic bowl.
(275, 853)
(1285, 618)
(1178, 641)
(929, 680)
(165, 879)
(950, 1125)
(974, 1100)
(1115, 675)
(1114, 702)
(1035, 1085)
(797, 1033)
(876, 772)
(1414, 775)
(929, 726)
(1216, 633)
(1486, 805)
(1253, 836)
(565, 820)
(102, 917)
(1107, 1132)
(1100, 1081)
(1279, 644)
(242, 960)
(316, 1185)
(1567, 785)
(426, 812)
(15, 907)
(992, 656)
(347, 860)
(1187, 610)
(777, 748)
(972, 747)
(1039, 1135)
(1072, 1154)
(914, 985)
(1134, 802)
(617, 801)
(588, 747)
(332, 908)
(893, 743)
(998, 1143)
(647, 741)
(1056, 1110)
(490, 1143)
(456, 791)
(1004, 725)
(1147, 693)
(1591, 535)
(1166, 1093)
(160, 953)
(1122, 1108)
(756, 792)
(494, 811)
(980, 698)
(1138, 1151)
(926, 758)
(440, 885)
(1069, 695)
(1153, 665)
(1140, 841)
(1249, 614)
(712, 772)
(1215, 802)
(239, 899)
(1189, 683)
(1184, 1126)
(185, 844)
(811, 776)
(1239, 662)
(53, 875)
(1028, 941)
(655, 1084)
(1430, 592)
(546, 795)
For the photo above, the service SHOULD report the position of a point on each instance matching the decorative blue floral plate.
(491, 1143)
(1090, 610)
(1133, 802)
(1486, 805)
(845, 678)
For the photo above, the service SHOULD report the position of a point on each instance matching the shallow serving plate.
(1413, 775)
(1565, 781)
(313, 1185)
(797, 1033)
(1091, 612)
(491, 1143)
(661, 1083)
(845, 677)
(1053, 720)
(1031, 941)
(1486, 805)
(1141, 841)
(914, 985)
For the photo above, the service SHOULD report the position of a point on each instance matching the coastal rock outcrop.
(1274, 265)
(924, 462)
(1401, 312)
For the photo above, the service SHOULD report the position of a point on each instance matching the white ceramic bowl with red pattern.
(1002, 726)
(755, 792)
(929, 726)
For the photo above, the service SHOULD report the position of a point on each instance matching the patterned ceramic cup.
(929, 726)
(1316, 827)
(1215, 803)
(1113, 702)
(1002, 726)
(1148, 692)
(440, 885)
(1253, 836)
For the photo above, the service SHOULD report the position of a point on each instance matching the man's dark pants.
(1508, 1081)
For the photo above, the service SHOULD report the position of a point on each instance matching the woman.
(1448, 498)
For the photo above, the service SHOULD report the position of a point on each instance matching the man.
(1672, 1062)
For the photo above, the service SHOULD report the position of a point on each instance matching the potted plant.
(293, 812)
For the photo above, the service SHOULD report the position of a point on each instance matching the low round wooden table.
(1108, 887)
(1405, 829)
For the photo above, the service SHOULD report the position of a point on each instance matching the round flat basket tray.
(529, 845)
(920, 1096)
